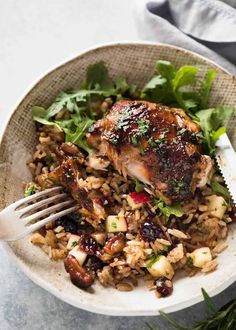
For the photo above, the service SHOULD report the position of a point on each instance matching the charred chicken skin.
(154, 144)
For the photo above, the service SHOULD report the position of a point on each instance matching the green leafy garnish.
(210, 121)
(168, 210)
(220, 189)
(182, 88)
(169, 86)
(30, 191)
(74, 244)
(77, 103)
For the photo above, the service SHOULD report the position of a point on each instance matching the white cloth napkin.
(207, 27)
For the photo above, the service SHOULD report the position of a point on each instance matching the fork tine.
(40, 203)
(52, 217)
(35, 196)
(50, 209)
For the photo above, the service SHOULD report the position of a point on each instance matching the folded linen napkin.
(204, 26)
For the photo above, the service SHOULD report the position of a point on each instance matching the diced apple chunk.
(133, 204)
(79, 255)
(99, 237)
(216, 206)
(116, 223)
(73, 241)
(161, 267)
(201, 256)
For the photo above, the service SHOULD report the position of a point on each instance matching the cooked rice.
(182, 236)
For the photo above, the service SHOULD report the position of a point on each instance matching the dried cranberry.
(69, 222)
(93, 263)
(163, 286)
(150, 231)
(88, 244)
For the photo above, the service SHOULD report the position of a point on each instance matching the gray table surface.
(35, 36)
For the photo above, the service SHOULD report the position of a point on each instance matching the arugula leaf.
(168, 210)
(169, 86)
(77, 102)
(219, 188)
(210, 121)
(75, 131)
(97, 77)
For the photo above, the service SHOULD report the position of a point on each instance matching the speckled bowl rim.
(50, 288)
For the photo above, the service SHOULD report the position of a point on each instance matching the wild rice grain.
(124, 287)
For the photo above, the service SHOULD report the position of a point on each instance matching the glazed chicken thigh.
(154, 144)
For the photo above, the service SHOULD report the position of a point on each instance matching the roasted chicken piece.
(69, 176)
(154, 144)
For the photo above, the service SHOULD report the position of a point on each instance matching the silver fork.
(15, 223)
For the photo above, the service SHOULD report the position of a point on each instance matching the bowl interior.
(135, 62)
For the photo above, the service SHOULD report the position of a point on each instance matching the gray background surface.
(36, 36)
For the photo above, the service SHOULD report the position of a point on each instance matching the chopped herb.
(204, 252)
(52, 180)
(165, 248)
(181, 131)
(134, 139)
(143, 125)
(179, 185)
(151, 255)
(74, 244)
(189, 262)
(30, 191)
(155, 143)
(48, 158)
(141, 149)
(138, 186)
(153, 260)
(114, 224)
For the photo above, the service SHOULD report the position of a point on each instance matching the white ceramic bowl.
(136, 62)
